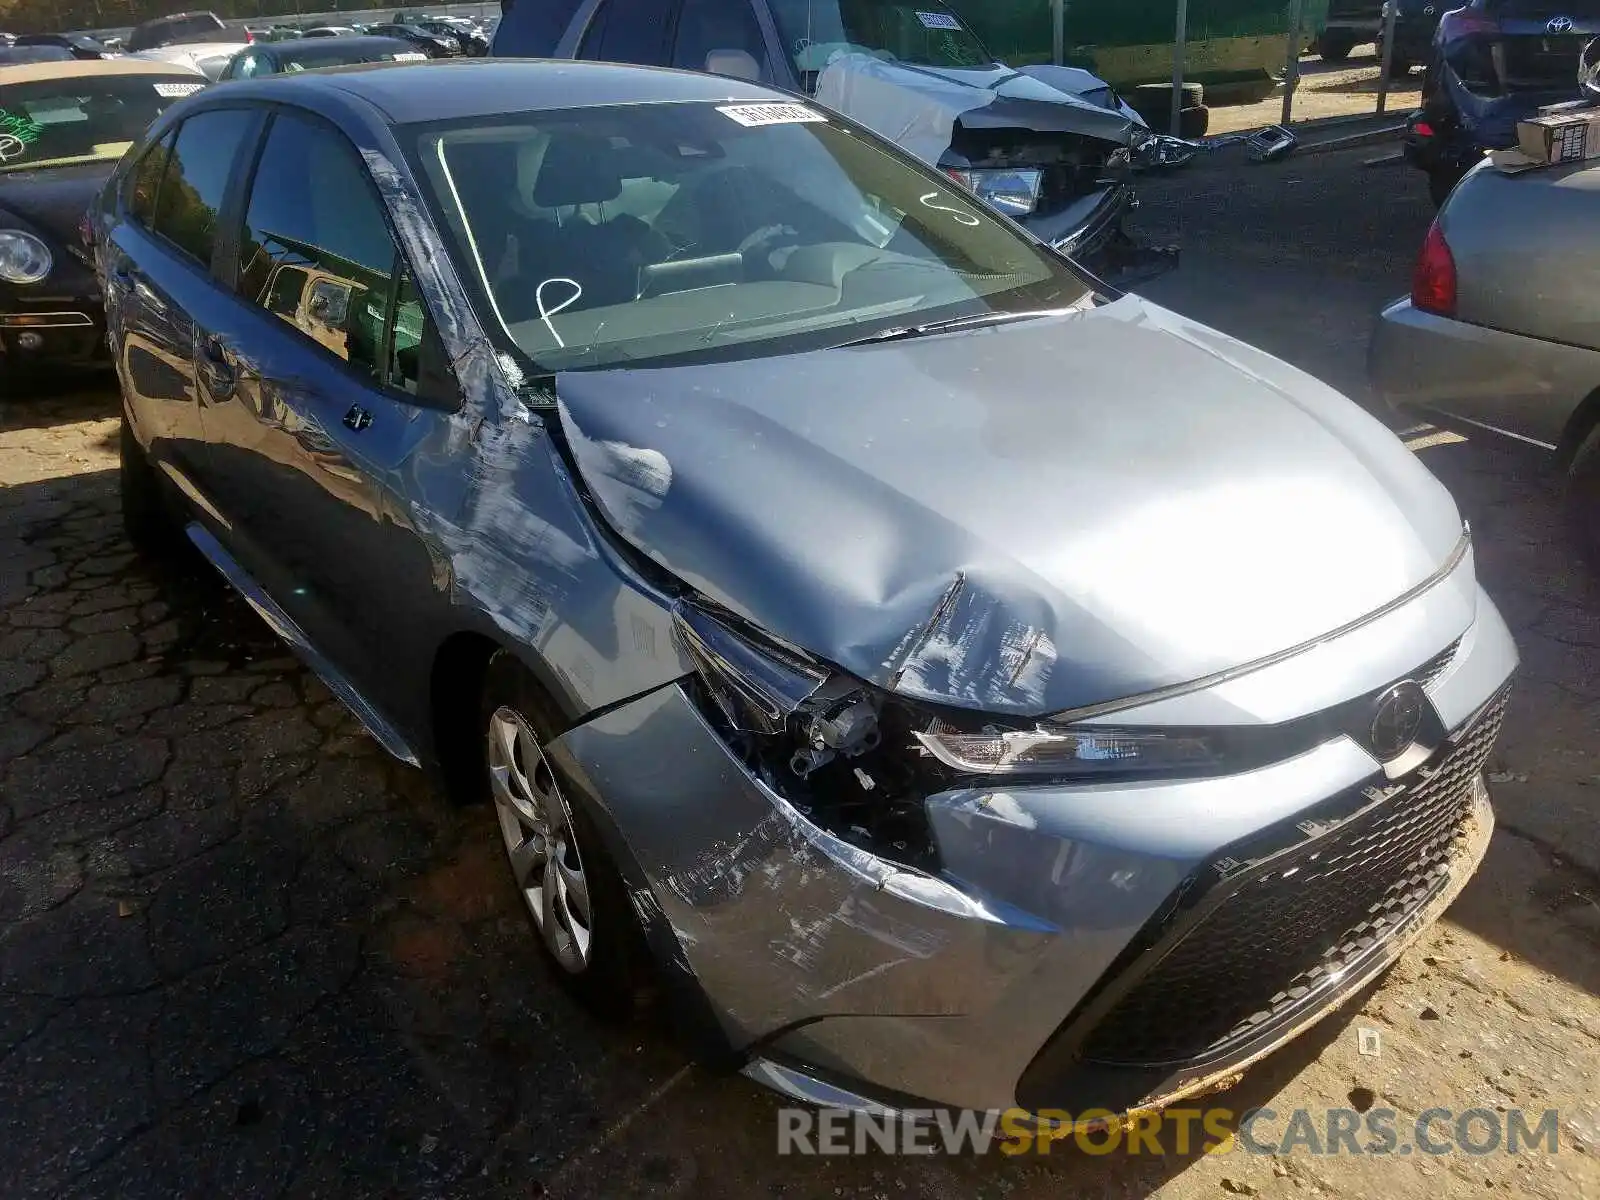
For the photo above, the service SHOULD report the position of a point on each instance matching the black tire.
(1153, 102)
(1334, 45)
(145, 517)
(612, 981)
(1583, 498)
(1194, 122)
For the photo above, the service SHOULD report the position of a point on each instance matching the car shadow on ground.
(43, 404)
(241, 950)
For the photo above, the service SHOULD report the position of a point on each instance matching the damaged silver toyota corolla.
(964, 685)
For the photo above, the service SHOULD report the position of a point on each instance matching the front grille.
(1429, 672)
(1284, 930)
(1087, 171)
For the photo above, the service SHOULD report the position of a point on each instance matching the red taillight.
(1422, 129)
(249, 37)
(1433, 286)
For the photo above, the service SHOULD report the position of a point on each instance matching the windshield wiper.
(900, 333)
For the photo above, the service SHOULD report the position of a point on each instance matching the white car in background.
(209, 58)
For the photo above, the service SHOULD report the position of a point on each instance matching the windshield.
(15, 55)
(652, 233)
(923, 34)
(86, 118)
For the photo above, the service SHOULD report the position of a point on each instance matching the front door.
(324, 339)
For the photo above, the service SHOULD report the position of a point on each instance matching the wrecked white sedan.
(955, 681)
(1051, 147)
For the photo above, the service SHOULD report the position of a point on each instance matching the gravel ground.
(242, 954)
(1346, 90)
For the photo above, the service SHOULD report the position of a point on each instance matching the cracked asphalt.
(243, 954)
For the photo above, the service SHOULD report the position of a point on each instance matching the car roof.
(319, 47)
(33, 72)
(455, 89)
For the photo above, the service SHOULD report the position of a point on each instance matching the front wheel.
(1583, 498)
(145, 517)
(573, 895)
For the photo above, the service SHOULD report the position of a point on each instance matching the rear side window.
(196, 179)
(317, 253)
(144, 182)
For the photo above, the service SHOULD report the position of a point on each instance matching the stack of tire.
(1153, 102)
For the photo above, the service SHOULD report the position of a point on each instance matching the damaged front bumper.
(1116, 945)
(1091, 231)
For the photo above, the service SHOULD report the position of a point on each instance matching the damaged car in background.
(1494, 63)
(957, 680)
(1054, 148)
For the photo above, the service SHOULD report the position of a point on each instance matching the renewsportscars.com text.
(1332, 1131)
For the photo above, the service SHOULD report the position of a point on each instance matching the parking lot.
(244, 954)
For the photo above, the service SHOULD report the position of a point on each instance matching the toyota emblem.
(1428, 11)
(1396, 721)
(1559, 25)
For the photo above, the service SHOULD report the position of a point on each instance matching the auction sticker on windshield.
(411, 56)
(938, 20)
(754, 115)
(173, 91)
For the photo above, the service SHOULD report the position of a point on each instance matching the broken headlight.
(838, 750)
(1013, 191)
(1070, 752)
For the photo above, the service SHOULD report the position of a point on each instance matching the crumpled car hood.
(1022, 520)
(917, 107)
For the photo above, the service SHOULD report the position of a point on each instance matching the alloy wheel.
(536, 826)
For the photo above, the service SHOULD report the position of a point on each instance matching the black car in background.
(181, 28)
(468, 37)
(66, 125)
(1415, 23)
(1350, 23)
(79, 45)
(11, 56)
(1494, 63)
(434, 45)
(310, 53)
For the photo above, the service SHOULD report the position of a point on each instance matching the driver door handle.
(220, 379)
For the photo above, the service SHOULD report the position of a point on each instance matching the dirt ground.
(1348, 89)
(242, 954)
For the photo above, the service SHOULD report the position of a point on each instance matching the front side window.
(638, 233)
(80, 119)
(317, 254)
(196, 179)
(921, 32)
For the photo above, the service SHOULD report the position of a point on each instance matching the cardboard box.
(1560, 137)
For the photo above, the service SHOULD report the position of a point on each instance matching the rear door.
(333, 378)
(159, 278)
